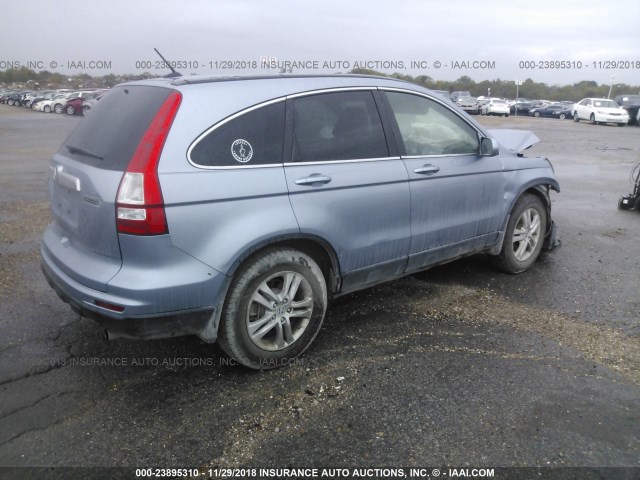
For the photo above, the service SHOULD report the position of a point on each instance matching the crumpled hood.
(514, 140)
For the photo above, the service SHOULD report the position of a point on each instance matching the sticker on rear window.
(241, 150)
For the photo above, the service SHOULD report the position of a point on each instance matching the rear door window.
(337, 126)
(252, 138)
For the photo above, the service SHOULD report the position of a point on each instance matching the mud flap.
(551, 241)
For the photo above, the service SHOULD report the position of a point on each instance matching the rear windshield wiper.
(82, 151)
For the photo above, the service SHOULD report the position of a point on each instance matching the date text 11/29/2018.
(578, 65)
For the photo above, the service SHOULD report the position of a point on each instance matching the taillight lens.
(139, 204)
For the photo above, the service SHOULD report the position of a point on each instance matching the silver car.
(234, 208)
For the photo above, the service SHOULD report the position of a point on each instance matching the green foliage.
(499, 88)
(507, 89)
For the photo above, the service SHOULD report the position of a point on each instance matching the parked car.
(58, 102)
(468, 104)
(55, 103)
(600, 110)
(237, 222)
(495, 106)
(547, 111)
(456, 95)
(40, 97)
(74, 106)
(631, 103)
(14, 99)
(519, 108)
(565, 112)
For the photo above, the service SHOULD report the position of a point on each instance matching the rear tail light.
(139, 204)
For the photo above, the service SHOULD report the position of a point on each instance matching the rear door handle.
(427, 170)
(313, 179)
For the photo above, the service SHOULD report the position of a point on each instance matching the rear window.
(115, 126)
(251, 138)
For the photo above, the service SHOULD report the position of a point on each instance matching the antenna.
(173, 70)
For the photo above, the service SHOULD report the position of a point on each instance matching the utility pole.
(613, 77)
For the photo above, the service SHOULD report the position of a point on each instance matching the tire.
(637, 205)
(524, 236)
(621, 124)
(562, 116)
(46, 108)
(575, 117)
(85, 109)
(70, 110)
(58, 108)
(592, 119)
(536, 114)
(253, 330)
(506, 115)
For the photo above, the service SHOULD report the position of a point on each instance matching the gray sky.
(588, 35)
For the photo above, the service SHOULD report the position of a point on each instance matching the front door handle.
(427, 170)
(313, 179)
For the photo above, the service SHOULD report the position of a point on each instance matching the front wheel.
(562, 116)
(58, 108)
(575, 117)
(70, 110)
(274, 309)
(592, 119)
(524, 235)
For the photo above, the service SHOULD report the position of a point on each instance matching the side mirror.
(489, 147)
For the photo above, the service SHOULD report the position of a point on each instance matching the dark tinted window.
(115, 126)
(429, 128)
(253, 138)
(337, 126)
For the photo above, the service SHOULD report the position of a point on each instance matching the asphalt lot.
(460, 365)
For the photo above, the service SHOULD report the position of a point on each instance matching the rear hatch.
(85, 175)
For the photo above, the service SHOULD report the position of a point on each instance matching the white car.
(600, 110)
(495, 106)
(56, 104)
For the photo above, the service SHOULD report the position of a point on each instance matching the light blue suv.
(234, 208)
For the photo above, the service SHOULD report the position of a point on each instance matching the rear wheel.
(47, 108)
(562, 116)
(536, 114)
(58, 108)
(70, 110)
(274, 309)
(524, 235)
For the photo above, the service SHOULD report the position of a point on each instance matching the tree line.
(495, 88)
(507, 89)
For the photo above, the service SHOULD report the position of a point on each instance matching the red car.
(74, 106)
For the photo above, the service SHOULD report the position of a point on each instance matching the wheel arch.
(540, 188)
(316, 247)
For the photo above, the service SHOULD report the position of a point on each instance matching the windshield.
(605, 104)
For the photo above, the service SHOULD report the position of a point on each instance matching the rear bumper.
(139, 319)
